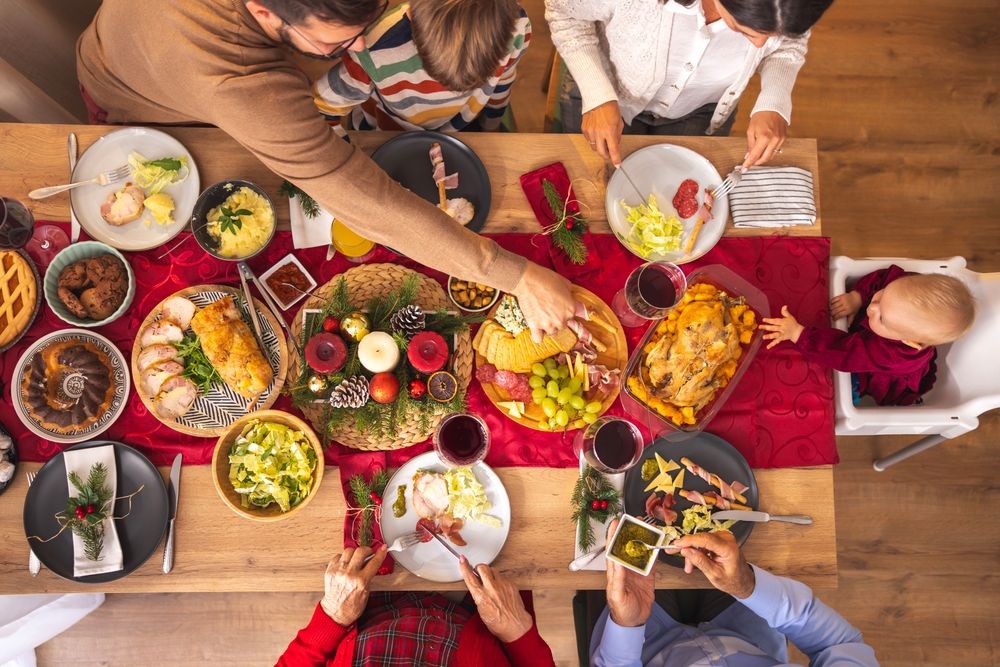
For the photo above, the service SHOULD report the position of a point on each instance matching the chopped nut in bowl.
(471, 297)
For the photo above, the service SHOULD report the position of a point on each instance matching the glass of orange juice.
(354, 247)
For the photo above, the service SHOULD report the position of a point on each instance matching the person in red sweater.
(352, 627)
(891, 351)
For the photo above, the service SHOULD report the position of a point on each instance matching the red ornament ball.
(80, 513)
(331, 325)
(417, 388)
(604, 504)
(384, 387)
(595, 505)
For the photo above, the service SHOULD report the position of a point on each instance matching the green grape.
(577, 402)
(535, 381)
(562, 419)
(570, 410)
(593, 407)
(549, 407)
(553, 424)
(564, 396)
(538, 394)
(539, 370)
(544, 425)
(564, 371)
(552, 388)
(550, 363)
(579, 423)
(554, 373)
(575, 384)
(589, 417)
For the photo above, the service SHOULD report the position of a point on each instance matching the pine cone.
(409, 320)
(350, 393)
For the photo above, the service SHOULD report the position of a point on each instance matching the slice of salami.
(688, 188)
(686, 208)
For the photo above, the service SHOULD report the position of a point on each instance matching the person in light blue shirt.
(750, 632)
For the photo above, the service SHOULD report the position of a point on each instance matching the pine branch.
(554, 200)
(309, 206)
(569, 225)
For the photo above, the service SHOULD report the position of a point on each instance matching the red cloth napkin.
(556, 174)
(366, 464)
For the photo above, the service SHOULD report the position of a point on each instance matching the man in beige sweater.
(223, 62)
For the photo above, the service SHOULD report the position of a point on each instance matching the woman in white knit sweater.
(679, 67)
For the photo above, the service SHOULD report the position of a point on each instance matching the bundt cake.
(68, 386)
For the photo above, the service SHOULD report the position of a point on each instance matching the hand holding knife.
(172, 491)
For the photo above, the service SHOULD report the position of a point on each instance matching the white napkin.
(600, 529)
(81, 461)
(773, 197)
(308, 232)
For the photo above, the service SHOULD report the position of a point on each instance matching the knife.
(743, 515)
(74, 224)
(631, 182)
(172, 490)
(453, 552)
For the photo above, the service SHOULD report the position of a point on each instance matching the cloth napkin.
(81, 461)
(531, 183)
(773, 197)
(308, 232)
(600, 529)
(365, 463)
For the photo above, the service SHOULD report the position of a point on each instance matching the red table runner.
(780, 415)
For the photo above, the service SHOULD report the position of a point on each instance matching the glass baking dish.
(726, 280)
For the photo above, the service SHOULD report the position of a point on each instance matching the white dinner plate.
(110, 152)
(660, 169)
(431, 560)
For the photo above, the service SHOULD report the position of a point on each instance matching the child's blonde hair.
(461, 42)
(944, 302)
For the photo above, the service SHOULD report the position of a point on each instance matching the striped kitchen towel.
(773, 197)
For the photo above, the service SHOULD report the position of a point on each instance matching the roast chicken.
(231, 347)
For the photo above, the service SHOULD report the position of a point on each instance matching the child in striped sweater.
(442, 65)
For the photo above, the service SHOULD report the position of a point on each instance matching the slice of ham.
(179, 310)
(124, 206)
(705, 212)
(450, 527)
(430, 495)
(437, 161)
(160, 332)
(695, 497)
(176, 397)
(152, 379)
(603, 379)
(460, 208)
(726, 490)
(155, 354)
(660, 508)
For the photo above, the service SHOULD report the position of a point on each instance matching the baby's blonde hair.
(946, 307)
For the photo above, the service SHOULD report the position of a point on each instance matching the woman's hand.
(766, 133)
(720, 559)
(630, 594)
(546, 299)
(347, 584)
(783, 328)
(602, 127)
(500, 605)
(845, 305)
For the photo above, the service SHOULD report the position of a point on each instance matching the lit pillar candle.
(378, 352)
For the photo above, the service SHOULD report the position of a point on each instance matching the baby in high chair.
(891, 350)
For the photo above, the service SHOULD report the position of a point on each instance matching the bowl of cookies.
(89, 284)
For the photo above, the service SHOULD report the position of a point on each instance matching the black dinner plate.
(406, 159)
(139, 533)
(714, 455)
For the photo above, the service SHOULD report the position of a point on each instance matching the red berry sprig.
(80, 513)
(595, 504)
(374, 498)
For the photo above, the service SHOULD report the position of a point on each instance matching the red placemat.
(781, 414)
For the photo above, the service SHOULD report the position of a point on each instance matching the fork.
(34, 565)
(402, 543)
(107, 178)
(732, 180)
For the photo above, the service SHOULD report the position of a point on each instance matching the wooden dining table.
(217, 550)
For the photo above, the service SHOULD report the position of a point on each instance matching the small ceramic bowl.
(613, 544)
(287, 259)
(452, 280)
(215, 196)
(220, 466)
(75, 253)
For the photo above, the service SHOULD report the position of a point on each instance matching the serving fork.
(402, 543)
(34, 565)
(107, 178)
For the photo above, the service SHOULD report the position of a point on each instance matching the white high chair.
(968, 370)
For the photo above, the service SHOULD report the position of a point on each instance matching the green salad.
(271, 463)
(651, 231)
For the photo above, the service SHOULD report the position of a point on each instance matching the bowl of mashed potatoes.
(233, 220)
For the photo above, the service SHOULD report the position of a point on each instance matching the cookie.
(105, 267)
(72, 303)
(74, 277)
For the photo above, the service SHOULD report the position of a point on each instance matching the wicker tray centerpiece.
(399, 302)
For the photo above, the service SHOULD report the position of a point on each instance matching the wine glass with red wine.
(649, 293)
(16, 224)
(461, 439)
(609, 445)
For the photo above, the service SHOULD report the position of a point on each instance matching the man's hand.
(347, 584)
(845, 305)
(546, 300)
(630, 595)
(500, 605)
(765, 135)
(782, 328)
(602, 126)
(721, 561)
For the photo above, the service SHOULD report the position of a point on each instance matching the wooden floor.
(902, 96)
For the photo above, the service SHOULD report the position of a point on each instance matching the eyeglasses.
(339, 49)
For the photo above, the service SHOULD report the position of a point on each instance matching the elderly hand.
(347, 584)
(602, 126)
(765, 135)
(500, 605)
(546, 300)
(630, 595)
(845, 305)
(785, 327)
(721, 561)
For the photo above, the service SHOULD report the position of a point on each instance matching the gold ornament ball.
(317, 384)
(355, 326)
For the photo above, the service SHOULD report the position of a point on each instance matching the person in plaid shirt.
(353, 628)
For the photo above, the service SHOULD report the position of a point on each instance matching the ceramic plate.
(431, 560)
(110, 152)
(659, 170)
(119, 377)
